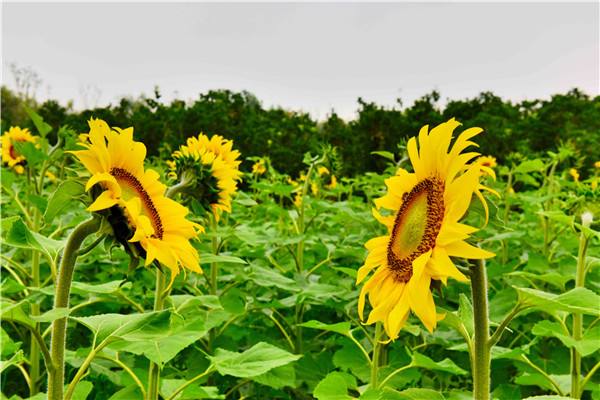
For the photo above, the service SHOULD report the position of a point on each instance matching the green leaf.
(207, 258)
(233, 301)
(20, 236)
(589, 343)
(333, 387)
(422, 394)
(465, 313)
(131, 392)
(163, 348)
(15, 312)
(64, 193)
(127, 327)
(183, 301)
(31, 153)
(529, 166)
(16, 359)
(385, 154)
(82, 390)
(348, 271)
(257, 360)
(547, 398)
(578, 300)
(278, 377)
(42, 127)
(340, 327)
(554, 279)
(192, 392)
(51, 315)
(446, 365)
(268, 278)
(507, 392)
(38, 201)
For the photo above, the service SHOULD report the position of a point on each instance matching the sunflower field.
(445, 266)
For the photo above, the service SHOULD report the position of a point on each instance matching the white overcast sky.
(313, 57)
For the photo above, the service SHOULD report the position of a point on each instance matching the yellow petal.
(103, 201)
(465, 250)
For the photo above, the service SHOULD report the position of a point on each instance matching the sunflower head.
(133, 200)
(597, 165)
(259, 167)
(10, 154)
(327, 178)
(423, 229)
(487, 163)
(207, 170)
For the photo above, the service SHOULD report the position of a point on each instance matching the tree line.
(531, 128)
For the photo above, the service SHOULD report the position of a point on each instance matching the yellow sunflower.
(259, 167)
(210, 169)
(424, 230)
(330, 182)
(157, 223)
(10, 155)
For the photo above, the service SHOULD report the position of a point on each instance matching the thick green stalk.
(159, 299)
(212, 334)
(578, 320)
(375, 358)
(34, 368)
(56, 376)
(481, 344)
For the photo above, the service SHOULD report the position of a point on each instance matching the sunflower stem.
(34, 360)
(482, 349)
(578, 318)
(56, 375)
(375, 359)
(154, 374)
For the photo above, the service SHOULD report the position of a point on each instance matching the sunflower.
(329, 180)
(10, 155)
(259, 167)
(210, 170)
(423, 230)
(157, 223)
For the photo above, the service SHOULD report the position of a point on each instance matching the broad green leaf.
(31, 153)
(422, 394)
(82, 390)
(563, 381)
(554, 279)
(257, 360)
(7, 345)
(130, 392)
(63, 194)
(16, 359)
(128, 327)
(528, 166)
(547, 398)
(38, 201)
(507, 392)
(278, 377)
(558, 216)
(504, 353)
(42, 127)
(447, 365)
(51, 315)
(15, 312)
(233, 301)
(20, 236)
(321, 290)
(504, 236)
(192, 392)
(183, 301)
(578, 300)
(207, 258)
(333, 387)
(164, 347)
(465, 313)
(269, 277)
(348, 271)
(340, 327)
(589, 343)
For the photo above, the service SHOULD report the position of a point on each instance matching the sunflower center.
(416, 227)
(131, 187)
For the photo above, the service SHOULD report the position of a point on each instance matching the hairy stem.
(56, 375)
(154, 374)
(481, 344)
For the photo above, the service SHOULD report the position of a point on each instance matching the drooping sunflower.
(423, 230)
(157, 223)
(210, 170)
(10, 155)
(329, 180)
